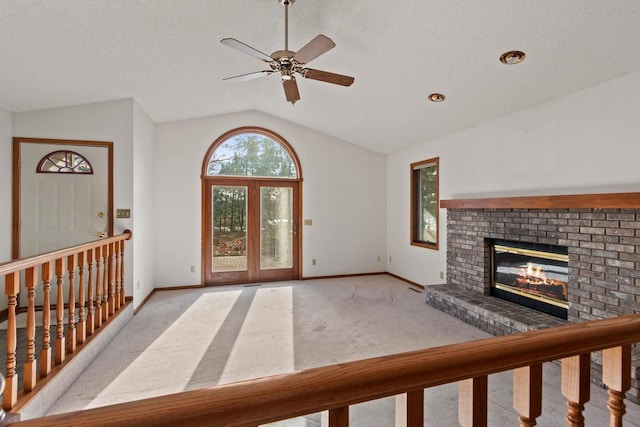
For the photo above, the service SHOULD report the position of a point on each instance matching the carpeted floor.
(188, 339)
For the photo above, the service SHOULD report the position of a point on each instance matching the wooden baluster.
(339, 417)
(45, 353)
(112, 279)
(122, 291)
(410, 409)
(527, 394)
(616, 375)
(82, 316)
(31, 364)
(472, 402)
(60, 340)
(105, 283)
(72, 263)
(90, 298)
(11, 289)
(576, 387)
(98, 311)
(116, 246)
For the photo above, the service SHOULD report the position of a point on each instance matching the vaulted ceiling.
(166, 54)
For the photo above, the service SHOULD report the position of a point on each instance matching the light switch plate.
(123, 213)
(308, 222)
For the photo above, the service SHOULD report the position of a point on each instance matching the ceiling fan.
(288, 63)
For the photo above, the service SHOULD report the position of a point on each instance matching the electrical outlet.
(193, 268)
(313, 262)
(389, 259)
(442, 274)
(138, 285)
(379, 259)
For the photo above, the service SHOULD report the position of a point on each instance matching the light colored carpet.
(188, 339)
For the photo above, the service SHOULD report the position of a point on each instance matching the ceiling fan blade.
(316, 47)
(291, 90)
(248, 76)
(245, 48)
(325, 76)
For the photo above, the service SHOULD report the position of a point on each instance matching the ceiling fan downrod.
(286, 4)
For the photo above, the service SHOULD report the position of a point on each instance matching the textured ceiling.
(166, 54)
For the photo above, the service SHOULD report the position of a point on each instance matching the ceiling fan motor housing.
(286, 2)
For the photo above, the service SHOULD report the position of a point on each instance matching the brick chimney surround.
(601, 233)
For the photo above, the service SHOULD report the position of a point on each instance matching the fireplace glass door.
(535, 276)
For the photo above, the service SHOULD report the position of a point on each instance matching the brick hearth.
(604, 267)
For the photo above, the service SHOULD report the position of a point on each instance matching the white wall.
(5, 189)
(105, 121)
(588, 142)
(343, 193)
(142, 213)
(5, 184)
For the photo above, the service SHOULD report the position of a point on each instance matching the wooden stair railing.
(335, 388)
(66, 269)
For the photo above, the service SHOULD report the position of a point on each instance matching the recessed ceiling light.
(436, 97)
(512, 57)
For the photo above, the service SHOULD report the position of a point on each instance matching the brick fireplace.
(600, 232)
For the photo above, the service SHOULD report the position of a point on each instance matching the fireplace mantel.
(575, 201)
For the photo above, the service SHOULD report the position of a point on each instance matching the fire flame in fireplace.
(535, 273)
(534, 279)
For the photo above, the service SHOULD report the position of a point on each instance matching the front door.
(252, 231)
(63, 195)
(251, 209)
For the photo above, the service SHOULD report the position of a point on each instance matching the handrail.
(279, 397)
(16, 265)
(85, 283)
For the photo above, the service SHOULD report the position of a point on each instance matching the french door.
(251, 230)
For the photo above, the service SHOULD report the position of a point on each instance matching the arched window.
(64, 161)
(252, 154)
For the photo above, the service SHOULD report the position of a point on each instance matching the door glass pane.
(276, 227)
(229, 228)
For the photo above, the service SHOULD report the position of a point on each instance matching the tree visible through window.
(252, 179)
(251, 154)
(424, 203)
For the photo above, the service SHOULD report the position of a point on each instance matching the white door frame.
(16, 181)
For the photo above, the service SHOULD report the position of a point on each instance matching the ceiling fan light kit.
(288, 63)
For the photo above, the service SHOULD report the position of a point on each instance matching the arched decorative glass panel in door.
(252, 155)
(252, 179)
(64, 161)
